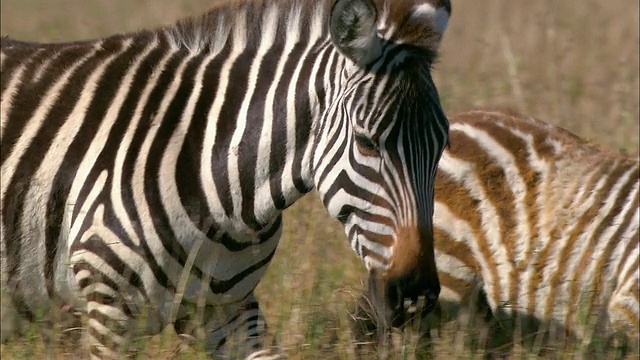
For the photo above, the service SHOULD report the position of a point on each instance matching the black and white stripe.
(152, 168)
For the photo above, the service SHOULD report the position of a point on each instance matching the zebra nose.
(408, 295)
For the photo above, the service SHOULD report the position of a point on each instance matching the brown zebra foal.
(541, 228)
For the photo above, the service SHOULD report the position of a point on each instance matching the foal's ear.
(352, 26)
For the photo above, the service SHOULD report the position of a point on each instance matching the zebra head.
(381, 139)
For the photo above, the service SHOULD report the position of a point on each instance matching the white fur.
(460, 230)
(463, 172)
(115, 106)
(439, 17)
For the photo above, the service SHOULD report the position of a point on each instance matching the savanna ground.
(572, 63)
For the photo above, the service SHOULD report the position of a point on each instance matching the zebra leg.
(231, 331)
(12, 322)
(56, 324)
(109, 317)
(624, 322)
(426, 324)
(500, 339)
(249, 330)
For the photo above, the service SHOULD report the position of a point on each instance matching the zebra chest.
(222, 261)
(223, 269)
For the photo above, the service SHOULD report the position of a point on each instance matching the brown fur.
(409, 252)
(551, 203)
(574, 152)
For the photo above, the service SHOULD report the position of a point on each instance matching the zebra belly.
(207, 274)
(225, 277)
(91, 235)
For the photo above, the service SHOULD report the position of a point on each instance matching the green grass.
(572, 63)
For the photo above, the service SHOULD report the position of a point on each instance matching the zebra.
(539, 228)
(152, 168)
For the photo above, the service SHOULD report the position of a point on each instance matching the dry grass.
(570, 63)
(574, 64)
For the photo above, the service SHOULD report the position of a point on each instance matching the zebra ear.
(352, 25)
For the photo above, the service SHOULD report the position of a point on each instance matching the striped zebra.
(151, 168)
(540, 228)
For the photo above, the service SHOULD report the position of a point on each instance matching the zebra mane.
(419, 23)
(7, 42)
(248, 20)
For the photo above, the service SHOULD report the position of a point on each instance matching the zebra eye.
(366, 144)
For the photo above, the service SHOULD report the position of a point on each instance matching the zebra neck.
(266, 79)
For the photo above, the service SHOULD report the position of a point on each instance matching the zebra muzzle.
(406, 297)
